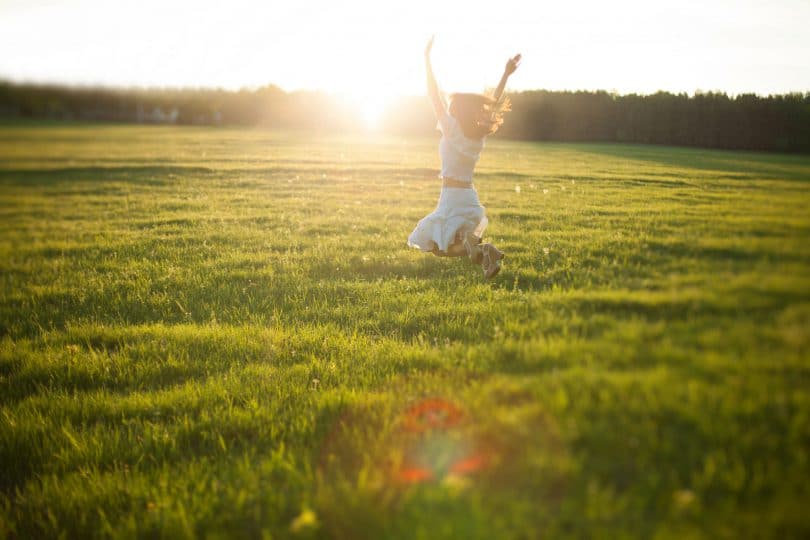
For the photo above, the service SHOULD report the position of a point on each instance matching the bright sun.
(373, 111)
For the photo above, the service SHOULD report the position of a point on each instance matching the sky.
(371, 50)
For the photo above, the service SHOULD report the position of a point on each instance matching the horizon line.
(253, 88)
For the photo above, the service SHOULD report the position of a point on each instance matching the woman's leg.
(465, 244)
(453, 250)
(472, 247)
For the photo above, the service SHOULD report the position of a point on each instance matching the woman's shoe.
(491, 260)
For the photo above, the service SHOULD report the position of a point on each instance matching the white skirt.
(458, 211)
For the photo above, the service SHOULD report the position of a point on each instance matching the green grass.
(220, 333)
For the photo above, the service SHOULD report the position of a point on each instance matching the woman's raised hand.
(429, 46)
(511, 65)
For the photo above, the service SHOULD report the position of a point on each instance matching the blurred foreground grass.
(221, 333)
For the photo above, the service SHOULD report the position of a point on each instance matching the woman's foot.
(490, 260)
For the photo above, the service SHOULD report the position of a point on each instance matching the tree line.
(711, 119)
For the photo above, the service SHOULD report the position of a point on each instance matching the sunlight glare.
(373, 110)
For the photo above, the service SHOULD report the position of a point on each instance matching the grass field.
(221, 333)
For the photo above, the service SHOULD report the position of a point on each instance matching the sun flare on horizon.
(372, 112)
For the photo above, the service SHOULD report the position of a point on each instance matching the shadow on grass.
(152, 175)
(743, 165)
(165, 174)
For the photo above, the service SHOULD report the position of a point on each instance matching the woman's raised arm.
(439, 106)
(511, 65)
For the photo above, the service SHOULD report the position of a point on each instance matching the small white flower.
(517, 189)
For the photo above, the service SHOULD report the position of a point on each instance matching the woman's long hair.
(477, 114)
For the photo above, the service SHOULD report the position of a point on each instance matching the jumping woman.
(455, 227)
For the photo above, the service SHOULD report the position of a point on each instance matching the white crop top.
(458, 153)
